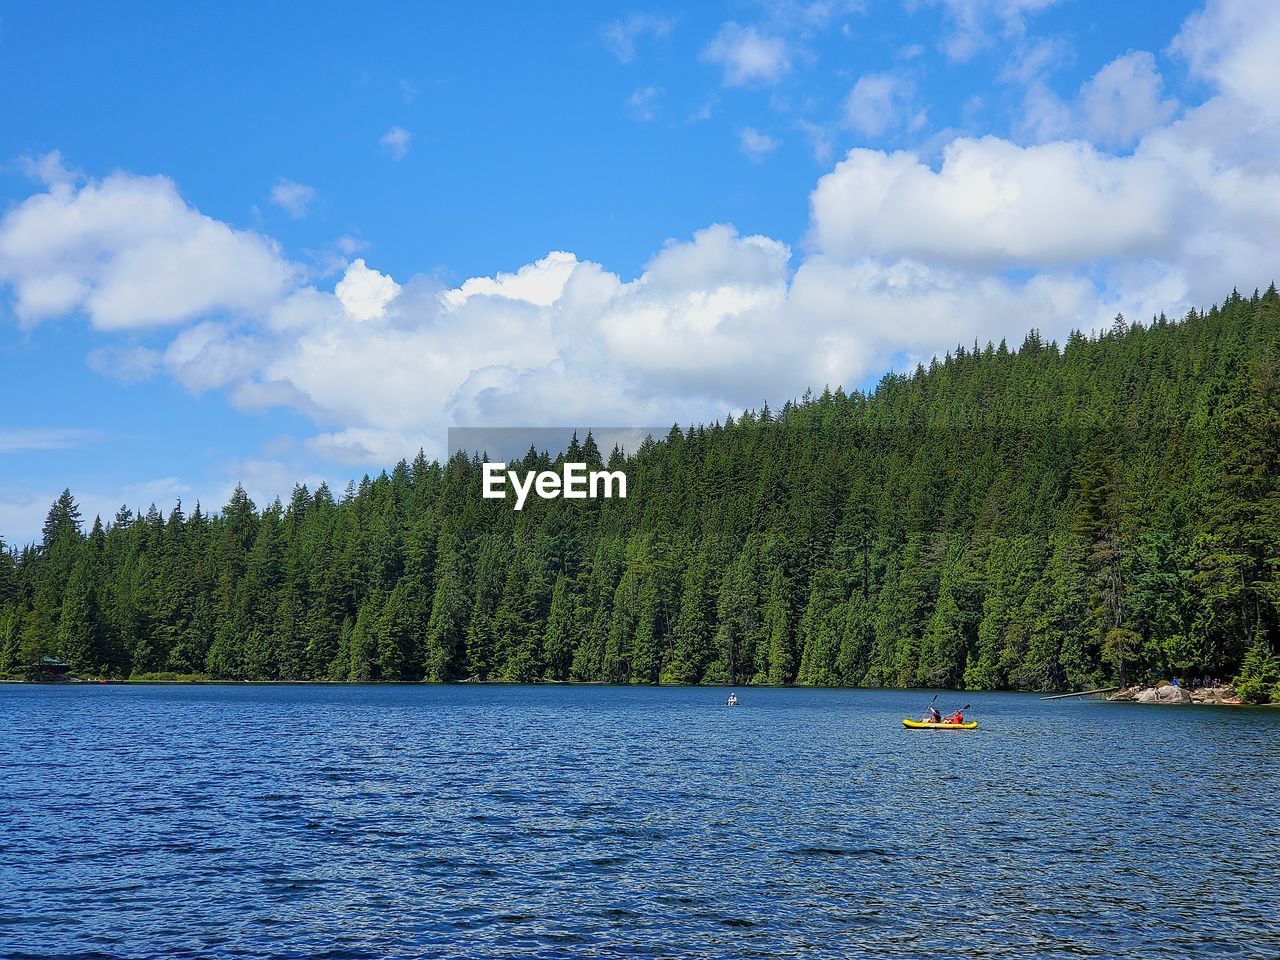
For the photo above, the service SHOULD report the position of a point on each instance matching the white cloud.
(563, 339)
(1193, 211)
(1123, 100)
(620, 36)
(47, 438)
(820, 140)
(1233, 44)
(868, 311)
(747, 56)
(1114, 108)
(50, 170)
(810, 16)
(124, 364)
(1045, 115)
(974, 22)
(360, 446)
(365, 293)
(876, 103)
(756, 145)
(994, 204)
(209, 356)
(292, 198)
(539, 283)
(704, 112)
(906, 257)
(396, 142)
(129, 252)
(1033, 60)
(642, 104)
(348, 244)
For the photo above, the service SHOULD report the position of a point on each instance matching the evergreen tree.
(1047, 517)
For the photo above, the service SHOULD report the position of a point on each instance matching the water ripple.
(353, 822)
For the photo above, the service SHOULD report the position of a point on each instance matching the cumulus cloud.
(564, 339)
(1124, 100)
(906, 256)
(293, 198)
(756, 145)
(1115, 107)
(993, 203)
(539, 283)
(747, 56)
(1191, 212)
(396, 142)
(876, 103)
(209, 356)
(1232, 44)
(129, 252)
(365, 293)
(869, 311)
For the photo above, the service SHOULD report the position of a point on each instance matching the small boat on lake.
(924, 725)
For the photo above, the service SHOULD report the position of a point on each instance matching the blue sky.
(245, 244)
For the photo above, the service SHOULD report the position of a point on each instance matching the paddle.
(962, 709)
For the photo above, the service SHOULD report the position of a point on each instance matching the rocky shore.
(1168, 693)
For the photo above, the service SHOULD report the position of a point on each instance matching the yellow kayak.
(921, 725)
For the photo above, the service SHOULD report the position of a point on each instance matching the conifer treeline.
(1033, 519)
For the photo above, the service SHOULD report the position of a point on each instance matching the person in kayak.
(933, 716)
(957, 717)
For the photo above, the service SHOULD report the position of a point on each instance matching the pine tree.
(63, 520)
(1033, 519)
(79, 640)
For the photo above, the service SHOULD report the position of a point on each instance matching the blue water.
(474, 821)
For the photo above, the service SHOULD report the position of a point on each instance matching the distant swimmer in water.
(732, 701)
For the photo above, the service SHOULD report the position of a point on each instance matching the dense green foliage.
(1034, 519)
(1259, 680)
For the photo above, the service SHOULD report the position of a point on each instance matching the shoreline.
(1132, 694)
(1172, 694)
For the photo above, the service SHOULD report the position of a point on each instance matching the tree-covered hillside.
(1038, 518)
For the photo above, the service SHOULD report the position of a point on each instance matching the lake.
(509, 821)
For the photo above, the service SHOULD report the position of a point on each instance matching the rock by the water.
(1168, 693)
(1219, 695)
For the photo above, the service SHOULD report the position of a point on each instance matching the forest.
(1050, 517)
